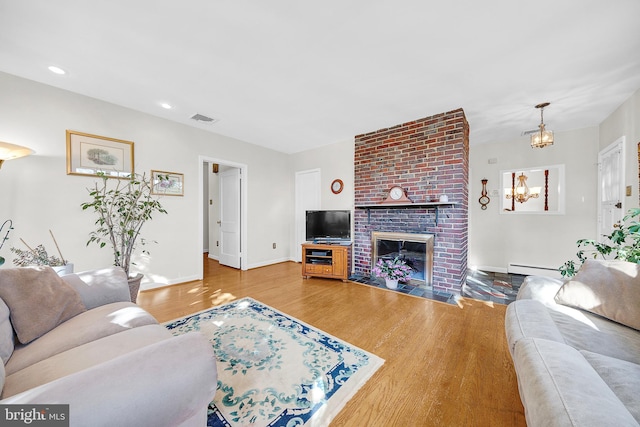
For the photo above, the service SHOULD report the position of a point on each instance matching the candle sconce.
(484, 199)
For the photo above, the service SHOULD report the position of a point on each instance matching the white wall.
(625, 121)
(541, 240)
(335, 161)
(38, 195)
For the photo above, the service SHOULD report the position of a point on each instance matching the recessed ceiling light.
(167, 106)
(57, 70)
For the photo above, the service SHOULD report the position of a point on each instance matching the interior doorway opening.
(217, 194)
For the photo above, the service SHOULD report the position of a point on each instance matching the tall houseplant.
(123, 206)
(623, 243)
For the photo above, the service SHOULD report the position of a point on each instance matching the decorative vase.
(63, 270)
(134, 286)
(391, 283)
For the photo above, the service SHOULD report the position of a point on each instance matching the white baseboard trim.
(154, 285)
(532, 270)
(271, 262)
(490, 269)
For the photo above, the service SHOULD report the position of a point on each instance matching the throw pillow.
(38, 300)
(610, 289)
(6, 333)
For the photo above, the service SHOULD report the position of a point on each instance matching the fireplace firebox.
(415, 249)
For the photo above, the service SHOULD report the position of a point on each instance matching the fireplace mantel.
(427, 205)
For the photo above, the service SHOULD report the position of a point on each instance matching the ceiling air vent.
(529, 132)
(202, 118)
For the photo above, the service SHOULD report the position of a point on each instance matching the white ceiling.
(294, 74)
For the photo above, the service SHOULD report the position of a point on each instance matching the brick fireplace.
(428, 158)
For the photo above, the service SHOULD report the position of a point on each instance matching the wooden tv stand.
(332, 261)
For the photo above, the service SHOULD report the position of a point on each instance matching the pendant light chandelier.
(543, 137)
(521, 192)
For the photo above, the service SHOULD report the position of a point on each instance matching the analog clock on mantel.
(397, 195)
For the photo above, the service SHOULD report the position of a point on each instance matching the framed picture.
(167, 183)
(92, 154)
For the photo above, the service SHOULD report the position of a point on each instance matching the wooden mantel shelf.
(404, 205)
(435, 205)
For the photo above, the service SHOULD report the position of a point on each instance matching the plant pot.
(63, 270)
(391, 283)
(134, 285)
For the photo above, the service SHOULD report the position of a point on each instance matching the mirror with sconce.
(538, 190)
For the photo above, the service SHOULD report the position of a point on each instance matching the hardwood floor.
(445, 365)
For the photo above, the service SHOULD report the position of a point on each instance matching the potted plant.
(623, 244)
(122, 209)
(392, 271)
(40, 256)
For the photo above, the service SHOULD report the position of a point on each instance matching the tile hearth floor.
(500, 288)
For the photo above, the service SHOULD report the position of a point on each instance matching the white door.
(307, 198)
(230, 249)
(611, 188)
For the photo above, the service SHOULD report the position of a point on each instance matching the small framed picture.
(167, 183)
(92, 154)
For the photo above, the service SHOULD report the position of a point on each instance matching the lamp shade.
(542, 139)
(12, 151)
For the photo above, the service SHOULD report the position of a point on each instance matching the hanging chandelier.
(542, 137)
(521, 192)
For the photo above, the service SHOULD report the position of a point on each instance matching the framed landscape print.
(92, 154)
(167, 183)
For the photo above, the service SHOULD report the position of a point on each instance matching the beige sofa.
(575, 346)
(104, 356)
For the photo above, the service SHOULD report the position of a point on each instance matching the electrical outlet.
(628, 190)
(274, 246)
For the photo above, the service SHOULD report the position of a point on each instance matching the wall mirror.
(538, 190)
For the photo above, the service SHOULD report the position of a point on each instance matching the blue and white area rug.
(274, 370)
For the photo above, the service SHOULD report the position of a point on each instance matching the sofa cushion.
(38, 300)
(529, 319)
(83, 328)
(586, 331)
(608, 288)
(558, 387)
(7, 336)
(100, 287)
(540, 288)
(83, 357)
(622, 377)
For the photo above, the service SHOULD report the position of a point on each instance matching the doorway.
(229, 249)
(610, 187)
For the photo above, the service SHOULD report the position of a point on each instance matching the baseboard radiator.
(532, 270)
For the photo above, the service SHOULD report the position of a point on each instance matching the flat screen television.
(328, 226)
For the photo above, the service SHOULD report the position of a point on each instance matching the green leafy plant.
(36, 256)
(9, 224)
(623, 244)
(122, 209)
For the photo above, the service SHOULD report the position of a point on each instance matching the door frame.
(244, 252)
(229, 236)
(617, 144)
